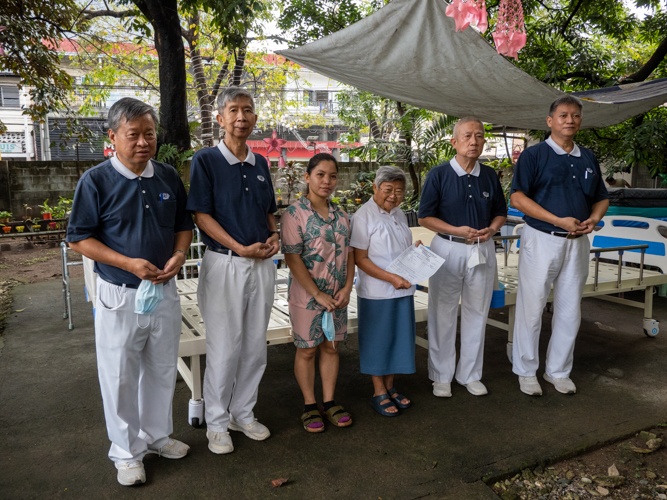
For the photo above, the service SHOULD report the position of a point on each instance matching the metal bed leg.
(651, 327)
(196, 406)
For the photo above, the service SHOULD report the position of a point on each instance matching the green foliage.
(168, 153)
(46, 209)
(290, 178)
(308, 20)
(505, 168)
(5, 215)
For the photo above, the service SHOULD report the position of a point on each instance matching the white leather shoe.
(442, 390)
(562, 385)
(476, 388)
(174, 449)
(219, 442)
(131, 473)
(254, 430)
(530, 386)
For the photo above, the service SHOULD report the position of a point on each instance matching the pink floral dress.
(323, 246)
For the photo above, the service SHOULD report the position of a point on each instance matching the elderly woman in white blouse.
(385, 301)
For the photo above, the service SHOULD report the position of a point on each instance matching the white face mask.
(476, 257)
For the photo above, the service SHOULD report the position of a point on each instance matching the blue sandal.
(397, 400)
(382, 408)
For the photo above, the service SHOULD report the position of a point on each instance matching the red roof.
(296, 150)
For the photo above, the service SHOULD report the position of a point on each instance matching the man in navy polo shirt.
(231, 195)
(559, 187)
(129, 217)
(463, 202)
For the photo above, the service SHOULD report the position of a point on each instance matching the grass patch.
(36, 260)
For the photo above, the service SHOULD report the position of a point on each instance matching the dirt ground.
(632, 469)
(38, 264)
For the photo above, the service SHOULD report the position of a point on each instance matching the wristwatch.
(271, 233)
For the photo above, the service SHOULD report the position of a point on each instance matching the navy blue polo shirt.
(237, 194)
(462, 199)
(136, 216)
(565, 184)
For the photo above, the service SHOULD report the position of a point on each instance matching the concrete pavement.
(54, 441)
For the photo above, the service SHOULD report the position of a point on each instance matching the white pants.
(136, 364)
(545, 259)
(235, 298)
(474, 288)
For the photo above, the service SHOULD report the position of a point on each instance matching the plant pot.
(53, 226)
(358, 200)
(46, 216)
(7, 229)
(35, 229)
(19, 229)
(4, 220)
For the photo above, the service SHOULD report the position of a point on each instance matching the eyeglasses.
(399, 193)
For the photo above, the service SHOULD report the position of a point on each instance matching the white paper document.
(416, 264)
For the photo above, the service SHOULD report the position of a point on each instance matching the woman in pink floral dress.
(316, 243)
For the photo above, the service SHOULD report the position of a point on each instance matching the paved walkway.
(54, 440)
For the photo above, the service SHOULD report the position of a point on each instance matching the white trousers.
(544, 260)
(136, 364)
(474, 288)
(235, 298)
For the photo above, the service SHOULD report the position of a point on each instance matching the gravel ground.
(632, 469)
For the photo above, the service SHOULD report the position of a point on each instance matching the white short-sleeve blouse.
(385, 236)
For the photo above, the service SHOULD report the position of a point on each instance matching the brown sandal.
(337, 416)
(312, 421)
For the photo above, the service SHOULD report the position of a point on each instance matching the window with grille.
(322, 96)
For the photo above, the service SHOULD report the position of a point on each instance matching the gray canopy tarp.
(409, 51)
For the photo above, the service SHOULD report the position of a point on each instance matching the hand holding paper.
(416, 264)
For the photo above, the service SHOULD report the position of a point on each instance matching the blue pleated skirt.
(386, 335)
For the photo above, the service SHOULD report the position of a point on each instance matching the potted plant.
(19, 229)
(46, 210)
(5, 216)
(53, 226)
(36, 228)
(6, 229)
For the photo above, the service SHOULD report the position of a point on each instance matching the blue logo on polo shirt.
(589, 170)
(485, 194)
(164, 196)
(261, 178)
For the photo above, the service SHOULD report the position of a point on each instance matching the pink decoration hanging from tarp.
(281, 162)
(510, 34)
(274, 142)
(467, 12)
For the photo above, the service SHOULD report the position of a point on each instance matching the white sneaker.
(254, 430)
(173, 449)
(562, 385)
(530, 386)
(219, 442)
(442, 390)
(131, 473)
(476, 388)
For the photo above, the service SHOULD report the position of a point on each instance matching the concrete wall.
(30, 183)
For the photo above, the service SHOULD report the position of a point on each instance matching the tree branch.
(593, 78)
(646, 70)
(119, 14)
(569, 19)
(270, 37)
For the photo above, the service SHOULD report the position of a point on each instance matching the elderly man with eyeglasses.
(462, 200)
(129, 217)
